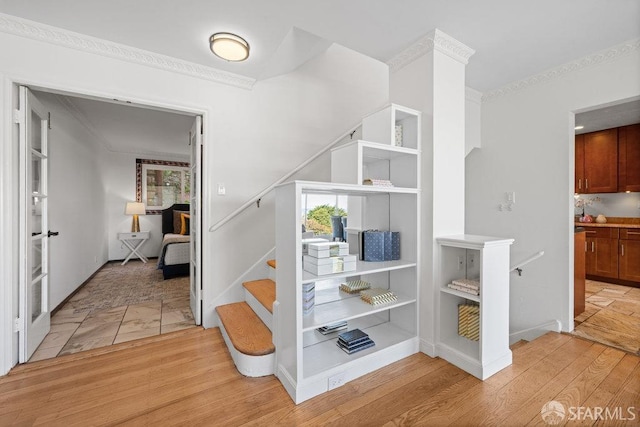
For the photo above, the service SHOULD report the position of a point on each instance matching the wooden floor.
(188, 378)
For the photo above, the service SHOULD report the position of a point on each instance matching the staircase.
(246, 327)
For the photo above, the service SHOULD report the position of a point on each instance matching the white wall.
(119, 176)
(252, 137)
(528, 147)
(76, 203)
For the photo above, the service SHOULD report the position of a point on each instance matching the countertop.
(612, 223)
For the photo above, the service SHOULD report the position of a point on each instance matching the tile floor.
(611, 316)
(82, 324)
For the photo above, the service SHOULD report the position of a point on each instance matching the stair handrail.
(518, 266)
(297, 169)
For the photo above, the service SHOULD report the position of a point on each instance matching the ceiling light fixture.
(579, 127)
(229, 47)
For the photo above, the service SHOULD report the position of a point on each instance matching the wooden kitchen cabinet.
(601, 162)
(579, 181)
(579, 273)
(602, 252)
(629, 254)
(628, 158)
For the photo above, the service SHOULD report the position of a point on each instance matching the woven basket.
(469, 321)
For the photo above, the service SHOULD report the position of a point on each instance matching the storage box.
(306, 242)
(331, 265)
(469, 321)
(328, 249)
(380, 245)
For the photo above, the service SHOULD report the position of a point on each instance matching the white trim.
(9, 247)
(58, 36)
(9, 288)
(435, 40)
(247, 365)
(600, 57)
(534, 332)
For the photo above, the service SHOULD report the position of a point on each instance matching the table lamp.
(135, 209)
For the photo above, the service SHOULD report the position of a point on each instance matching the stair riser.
(249, 366)
(272, 273)
(259, 309)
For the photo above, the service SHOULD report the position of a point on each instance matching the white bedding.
(177, 250)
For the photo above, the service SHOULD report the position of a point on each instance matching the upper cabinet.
(579, 181)
(629, 158)
(600, 162)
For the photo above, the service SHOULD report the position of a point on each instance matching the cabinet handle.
(586, 183)
(633, 232)
(580, 184)
(622, 244)
(593, 244)
(585, 247)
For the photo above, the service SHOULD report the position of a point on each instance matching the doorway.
(92, 160)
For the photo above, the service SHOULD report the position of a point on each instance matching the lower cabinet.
(613, 253)
(629, 266)
(602, 252)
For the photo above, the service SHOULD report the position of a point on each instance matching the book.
(376, 296)
(328, 329)
(352, 336)
(377, 182)
(354, 286)
(360, 347)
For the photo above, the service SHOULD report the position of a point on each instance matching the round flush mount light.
(229, 47)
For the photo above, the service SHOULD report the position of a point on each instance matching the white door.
(195, 140)
(35, 318)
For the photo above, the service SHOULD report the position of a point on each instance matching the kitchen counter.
(607, 225)
(612, 222)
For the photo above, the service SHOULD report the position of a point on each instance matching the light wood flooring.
(611, 316)
(188, 378)
(120, 303)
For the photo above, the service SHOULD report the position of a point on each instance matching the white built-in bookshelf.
(308, 362)
(486, 259)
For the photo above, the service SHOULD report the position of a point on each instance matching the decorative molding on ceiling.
(46, 33)
(435, 40)
(562, 70)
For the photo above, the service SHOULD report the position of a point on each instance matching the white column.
(430, 76)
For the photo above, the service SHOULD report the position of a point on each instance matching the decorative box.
(331, 265)
(380, 245)
(307, 242)
(328, 249)
(469, 321)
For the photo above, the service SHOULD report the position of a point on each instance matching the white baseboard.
(534, 332)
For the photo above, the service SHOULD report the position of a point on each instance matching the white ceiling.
(513, 39)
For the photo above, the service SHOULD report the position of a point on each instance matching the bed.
(175, 254)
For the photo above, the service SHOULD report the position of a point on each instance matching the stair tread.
(264, 291)
(245, 329)
(271, 263)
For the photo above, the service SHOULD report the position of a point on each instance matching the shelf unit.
(308, 362)
(381, 126)
(487, 259)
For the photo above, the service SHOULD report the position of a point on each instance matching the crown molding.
(435, 40)
(57, 36)
(600, 57)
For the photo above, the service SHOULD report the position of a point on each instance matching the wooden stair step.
(245, 329)
(264, 291)
(271, 263)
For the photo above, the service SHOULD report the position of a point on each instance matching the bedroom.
(93, 148)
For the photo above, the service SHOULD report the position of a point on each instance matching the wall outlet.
(337, 380)
(460, 263)
(471, 259)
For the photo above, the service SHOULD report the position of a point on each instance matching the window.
(160, 183)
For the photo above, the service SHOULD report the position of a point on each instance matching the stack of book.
(328, 258)
(354, 341)
(377, 296)
(354, 286)
(308, 297)
(377, 182)
(327, 329)
(469, 321)
(468, 286)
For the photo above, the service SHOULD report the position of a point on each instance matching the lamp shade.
(134, 208)
(229, 47)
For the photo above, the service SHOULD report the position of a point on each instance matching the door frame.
(9, 192)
